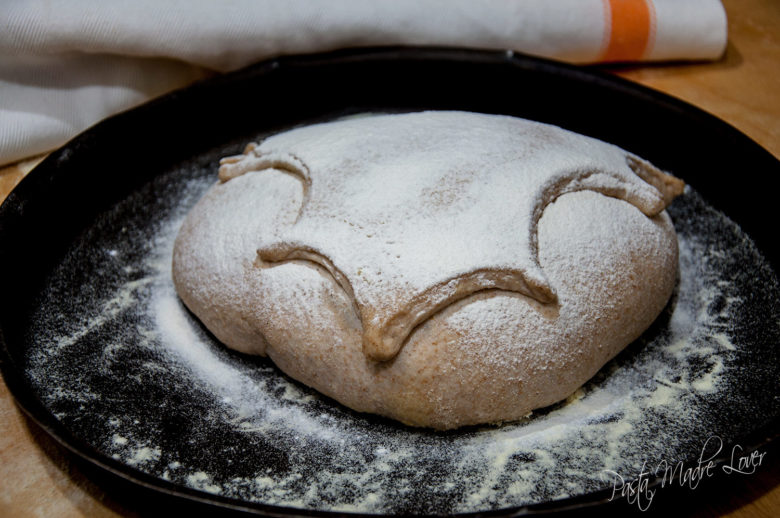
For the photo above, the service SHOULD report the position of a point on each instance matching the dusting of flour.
(130, 370)
(424, 240)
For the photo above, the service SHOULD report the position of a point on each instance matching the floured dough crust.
(439, 268)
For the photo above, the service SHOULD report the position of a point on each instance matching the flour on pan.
(235, 426)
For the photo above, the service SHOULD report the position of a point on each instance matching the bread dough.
(439, 268)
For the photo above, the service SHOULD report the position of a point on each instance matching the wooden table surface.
(38, 479)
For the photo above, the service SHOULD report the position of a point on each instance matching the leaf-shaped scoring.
(344, 168)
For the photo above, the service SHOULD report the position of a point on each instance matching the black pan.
(98, 351)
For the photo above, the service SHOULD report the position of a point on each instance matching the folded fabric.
(65, 64)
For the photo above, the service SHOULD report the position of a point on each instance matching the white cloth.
(66, 64)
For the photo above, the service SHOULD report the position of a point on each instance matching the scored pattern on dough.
(431, 257)
(251, 161)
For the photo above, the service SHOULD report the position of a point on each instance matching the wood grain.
(38, 479)
(743, 88)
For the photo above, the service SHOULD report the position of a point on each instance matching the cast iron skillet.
(50, 209)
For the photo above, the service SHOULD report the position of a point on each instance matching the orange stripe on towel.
(630, 24)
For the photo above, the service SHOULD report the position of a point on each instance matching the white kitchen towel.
(66, 64)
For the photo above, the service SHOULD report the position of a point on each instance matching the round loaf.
(439, 268)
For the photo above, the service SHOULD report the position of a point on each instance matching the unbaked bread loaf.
(439, 268)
